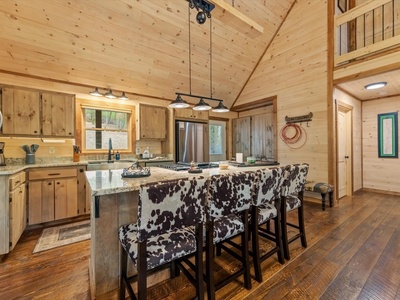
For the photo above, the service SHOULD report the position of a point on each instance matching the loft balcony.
(367, 30)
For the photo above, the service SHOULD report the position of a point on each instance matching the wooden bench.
(322, 188)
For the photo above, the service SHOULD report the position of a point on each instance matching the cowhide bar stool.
(266, 207)
(292, 198)
(165, 210)
(227, 217)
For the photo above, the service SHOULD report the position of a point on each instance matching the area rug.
(63, 235)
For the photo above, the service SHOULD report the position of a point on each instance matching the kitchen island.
(114, 203)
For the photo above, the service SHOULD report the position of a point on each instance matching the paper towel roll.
(239, 157)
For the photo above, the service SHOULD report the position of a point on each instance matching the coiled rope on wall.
(292, 134)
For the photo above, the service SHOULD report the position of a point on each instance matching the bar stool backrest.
(267, 186)
(230, 193)
(170, 205)
(295, 176)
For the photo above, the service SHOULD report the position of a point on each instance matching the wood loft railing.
(369, 28)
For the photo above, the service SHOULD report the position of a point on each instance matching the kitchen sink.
(106, 165)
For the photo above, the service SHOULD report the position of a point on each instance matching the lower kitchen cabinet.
(52, 194)
(17, 207)
(12, 210)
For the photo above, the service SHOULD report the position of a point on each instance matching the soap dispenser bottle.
(117, 156)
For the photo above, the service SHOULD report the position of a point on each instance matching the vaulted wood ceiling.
(137, 46)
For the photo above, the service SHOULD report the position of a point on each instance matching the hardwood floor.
(353, 253)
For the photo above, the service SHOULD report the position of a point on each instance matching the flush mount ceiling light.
(108, 94)
(375, 85)
(202, 105)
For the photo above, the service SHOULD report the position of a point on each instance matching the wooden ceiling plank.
(233, 17)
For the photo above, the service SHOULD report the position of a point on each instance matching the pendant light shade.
(96, 93)
(202, 105)
(110, 95)
(220, 108)
(123, 97)
(178, 103)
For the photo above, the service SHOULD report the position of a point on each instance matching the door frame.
(348, 110)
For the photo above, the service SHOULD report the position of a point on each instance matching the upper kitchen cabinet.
(20, 108)
(29, 112)
(152, 122)
(58, 115)
(188, 113)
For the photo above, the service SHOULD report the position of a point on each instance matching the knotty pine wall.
(294, 69)
(378, 173)
(341, 97)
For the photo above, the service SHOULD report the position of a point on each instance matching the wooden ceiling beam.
(234, 18)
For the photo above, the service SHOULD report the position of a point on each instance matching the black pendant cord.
(190, 55)
(211, 91)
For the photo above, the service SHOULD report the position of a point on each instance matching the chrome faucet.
(109, 159)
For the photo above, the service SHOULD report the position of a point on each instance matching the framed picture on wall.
(342, 4)
(387, 135)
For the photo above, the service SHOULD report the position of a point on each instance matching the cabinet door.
(153, 122)
(65, 201)
(82, 207)
(17, 214)
(188, 113)
(41, 201)
(58, 115)
(241, 136)
(20, 110)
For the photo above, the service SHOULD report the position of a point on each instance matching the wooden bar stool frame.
(293, 191)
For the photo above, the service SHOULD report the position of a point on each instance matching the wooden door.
(41, 201)
(20, 110)
(263, 136)
(58, 115)
(65, 201)
(241, 139)
(153, 122)
(17, 214)
(344, 150)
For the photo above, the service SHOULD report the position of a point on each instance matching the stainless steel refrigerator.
(191, 142)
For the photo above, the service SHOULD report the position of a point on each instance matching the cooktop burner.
(181, 166)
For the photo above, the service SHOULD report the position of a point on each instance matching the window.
(99, 125)
(216, 139)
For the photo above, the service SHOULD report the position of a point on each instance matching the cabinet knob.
(49, 183)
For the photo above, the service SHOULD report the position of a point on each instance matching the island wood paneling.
(378, 173)
(294, 70)
(356, 134)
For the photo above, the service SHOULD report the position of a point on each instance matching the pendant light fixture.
(109, 94)
(202, 105)
(178, 103)
(220, 108)
(96, 93)
(205, 7)
(123, 97)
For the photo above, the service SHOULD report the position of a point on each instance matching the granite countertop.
(111, 182)
(10, 169)
(19, 165)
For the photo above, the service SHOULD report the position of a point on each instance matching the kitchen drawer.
(16, 180)
(51, 173)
